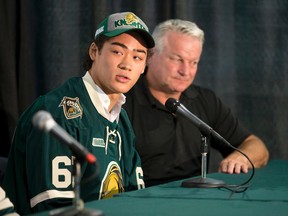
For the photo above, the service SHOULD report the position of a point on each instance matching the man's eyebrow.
(125, 47)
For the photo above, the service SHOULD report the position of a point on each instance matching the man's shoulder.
(68, 85)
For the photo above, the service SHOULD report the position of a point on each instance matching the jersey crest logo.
(71, 107)
(112, 182)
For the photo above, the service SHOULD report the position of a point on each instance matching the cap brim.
(146, 36)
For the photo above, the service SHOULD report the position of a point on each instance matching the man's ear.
(93, 49)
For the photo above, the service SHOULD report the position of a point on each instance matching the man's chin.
(180, 89)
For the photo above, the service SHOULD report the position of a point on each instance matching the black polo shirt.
(169, 145)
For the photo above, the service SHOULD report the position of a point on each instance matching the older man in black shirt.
(169, 145)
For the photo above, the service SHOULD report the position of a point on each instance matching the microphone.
(175, 107)
(44, 121)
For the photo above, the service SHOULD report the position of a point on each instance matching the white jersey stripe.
(50, 194)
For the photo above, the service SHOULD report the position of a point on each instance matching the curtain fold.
(9, 105)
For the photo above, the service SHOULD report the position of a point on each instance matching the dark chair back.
(3, 162)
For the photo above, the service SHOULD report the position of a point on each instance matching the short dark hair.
(99, 41)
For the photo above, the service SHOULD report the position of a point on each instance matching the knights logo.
(71, 107)
(112, 182)
(130, 18)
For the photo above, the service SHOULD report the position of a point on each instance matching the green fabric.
(269, 183)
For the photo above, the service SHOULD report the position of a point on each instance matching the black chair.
(3, 163)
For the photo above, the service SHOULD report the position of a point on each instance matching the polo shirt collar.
(145, 97)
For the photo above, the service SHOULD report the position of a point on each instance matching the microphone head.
(43, 120)
(172, 104)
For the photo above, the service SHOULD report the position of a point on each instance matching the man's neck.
(113, 100)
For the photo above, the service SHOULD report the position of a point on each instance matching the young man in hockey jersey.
(39, 172)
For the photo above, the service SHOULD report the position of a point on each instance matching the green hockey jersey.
(39, 171)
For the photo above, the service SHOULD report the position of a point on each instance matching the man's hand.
(236, 162)
(236, 166)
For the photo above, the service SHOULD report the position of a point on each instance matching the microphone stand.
(78, 204)
(203, 182)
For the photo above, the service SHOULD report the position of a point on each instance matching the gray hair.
(176, 25)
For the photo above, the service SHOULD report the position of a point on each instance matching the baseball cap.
(118, 23)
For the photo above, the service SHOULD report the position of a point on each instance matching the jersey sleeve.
(38, 173)
(136, 173)
(132, 167)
